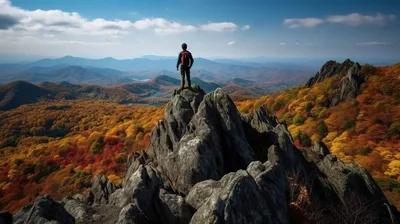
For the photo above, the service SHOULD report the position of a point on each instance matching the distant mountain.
(206, 86)
(157, 57)
(214, 70)
(154, 91)
(242, 82)
(72, 73)
(18, 93)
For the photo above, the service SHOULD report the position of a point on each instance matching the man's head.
(184, 46)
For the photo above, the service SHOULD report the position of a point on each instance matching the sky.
(211, 28)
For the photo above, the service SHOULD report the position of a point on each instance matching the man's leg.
(188, 78)
(182, 78)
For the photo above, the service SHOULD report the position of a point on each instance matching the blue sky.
(234, 29)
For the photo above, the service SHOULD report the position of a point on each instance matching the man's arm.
(179, 61)
(191, 60)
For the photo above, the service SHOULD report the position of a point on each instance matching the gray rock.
(141, 189)
(274, 187)
(208, 164)
(130, 214)
(78, 209)
(173, 208)
(79, 197)
(45, 209)
(356, 189)
(329, 69)
(345, 89)
(199, 140)
(320, 148)
(349, 178)
(258, 128)
(101, 189)
(235, 199)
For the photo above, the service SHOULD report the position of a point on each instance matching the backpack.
(185, 56)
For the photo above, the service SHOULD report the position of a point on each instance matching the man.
(186, 60)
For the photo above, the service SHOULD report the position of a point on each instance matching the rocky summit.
(348, 87)
(207, 163)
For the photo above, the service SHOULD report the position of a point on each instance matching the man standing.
(186, 60)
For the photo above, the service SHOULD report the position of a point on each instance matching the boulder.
(44, 210)
(141, 189)
(101, 189)
(173, 208)
(236, 198)
(130, 214)
(81, 211)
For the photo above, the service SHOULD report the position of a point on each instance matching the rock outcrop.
(348, 87)
(102, 188)
(45, 210)
(207, 163)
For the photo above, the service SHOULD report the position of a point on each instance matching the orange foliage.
(362, 130)
(58, 152)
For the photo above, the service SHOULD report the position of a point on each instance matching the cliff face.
(349, 87)
(207, 163)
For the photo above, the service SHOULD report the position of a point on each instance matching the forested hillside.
(56, 148)
(364, 129)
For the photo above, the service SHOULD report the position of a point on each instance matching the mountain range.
(154, 91)
(110, 71)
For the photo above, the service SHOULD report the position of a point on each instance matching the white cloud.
(306, 22)
(246, 27)
(163, 26)
(232, 43)
(282, 43)
(297, 43)
(355, 19)
(48, 35)
(218, 27)
(57, 21)
(371, 43)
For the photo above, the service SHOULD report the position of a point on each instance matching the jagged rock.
(234, 199)
(78, 209)
(141, 189)
(79, 197)
(320, 148)
(44, 210)
(173, 208)
(258, 128)
(212, 142)
(208, 164)
(356, 188)
(5, 218)
(349, 87)
(292, 157)
(271, 179)
(346, 88)
(130, 214)
(102, 188)
(349, 178)
(329, 69)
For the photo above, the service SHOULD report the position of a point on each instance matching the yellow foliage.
(393, 168)
(115, 179)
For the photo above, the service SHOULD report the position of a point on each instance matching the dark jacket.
(190, 58)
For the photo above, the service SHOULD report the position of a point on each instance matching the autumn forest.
(57, 147)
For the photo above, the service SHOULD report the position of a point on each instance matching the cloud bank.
(353, 19)
(57, 21)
